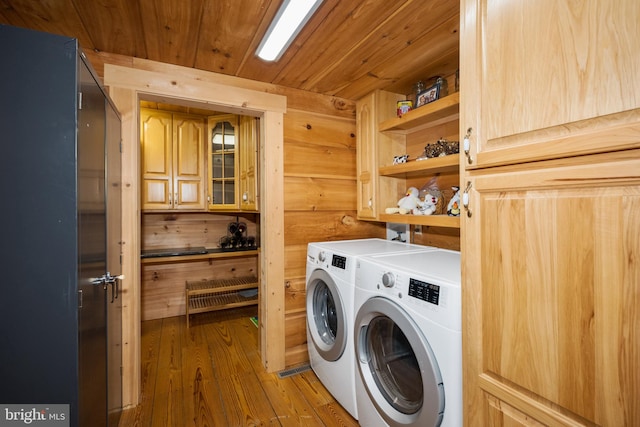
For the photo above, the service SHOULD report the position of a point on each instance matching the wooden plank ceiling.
(348, 48)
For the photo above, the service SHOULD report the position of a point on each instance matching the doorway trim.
(185, 86)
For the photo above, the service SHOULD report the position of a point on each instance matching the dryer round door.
(397, 365)
(326, 318)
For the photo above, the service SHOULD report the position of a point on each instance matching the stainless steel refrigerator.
(60, 310)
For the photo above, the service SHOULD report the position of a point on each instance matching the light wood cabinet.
(233, 159)
(382, 135)
(370, 110)
(172, 153)
(248, 173)
(222, 143)
(549, 239)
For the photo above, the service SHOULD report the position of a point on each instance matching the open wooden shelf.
(450, 163)
(209, 295)
(440, 111)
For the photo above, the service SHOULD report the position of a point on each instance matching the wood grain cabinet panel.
(556, 294)
(549, 79)
(233, 143)
(172, 153)
(248, 173)
(370, 111)
(550, 102)
(189, 162)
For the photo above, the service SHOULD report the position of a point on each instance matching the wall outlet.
(417, 229)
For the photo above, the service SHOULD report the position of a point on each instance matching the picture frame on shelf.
(428, 95)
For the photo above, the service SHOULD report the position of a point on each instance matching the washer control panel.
(339, 261)
(388, 280)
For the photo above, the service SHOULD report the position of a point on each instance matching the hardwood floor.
(211, 375)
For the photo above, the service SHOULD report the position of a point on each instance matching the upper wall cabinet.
(382, 136)
(232, 154)
(569, 70)
(222, 153)
(370, 110)
(172, 153)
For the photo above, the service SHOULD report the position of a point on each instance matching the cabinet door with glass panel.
(223, 161)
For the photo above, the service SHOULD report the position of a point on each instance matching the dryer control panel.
(424, 291)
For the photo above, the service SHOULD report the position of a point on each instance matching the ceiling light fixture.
(291, 17)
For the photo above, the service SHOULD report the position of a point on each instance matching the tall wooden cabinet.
(172, 152)
(550, 237)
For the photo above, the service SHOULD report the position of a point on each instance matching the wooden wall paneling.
(313, 160)
(319, 145)
(295, 256)
(319, 194)
(304, 227)
(296, 338)
(320, 182)
(166, 230)
(296, 293)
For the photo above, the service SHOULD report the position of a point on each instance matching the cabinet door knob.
(370, 202)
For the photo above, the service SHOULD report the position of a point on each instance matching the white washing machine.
(330, 288)
(408, 340)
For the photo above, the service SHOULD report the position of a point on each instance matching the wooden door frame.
(148, 80)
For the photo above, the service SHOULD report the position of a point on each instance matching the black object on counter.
(156, 253)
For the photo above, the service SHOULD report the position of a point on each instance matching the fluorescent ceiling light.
(291, 17)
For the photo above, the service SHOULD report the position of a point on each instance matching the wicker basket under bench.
(209, 295)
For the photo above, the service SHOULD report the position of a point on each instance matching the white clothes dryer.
(330, 287)
(408, 340)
